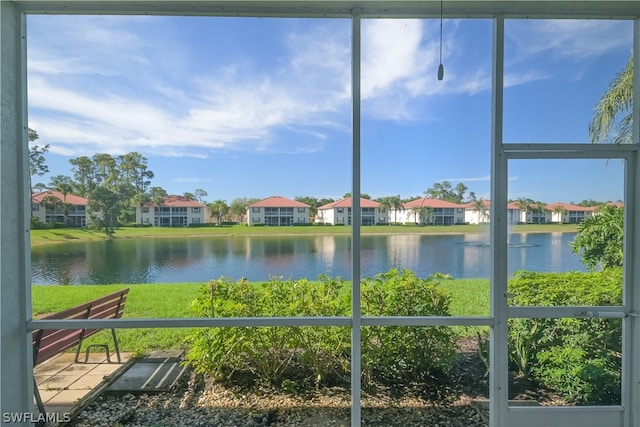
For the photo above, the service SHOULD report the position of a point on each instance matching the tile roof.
(470, 205)
(177, 201)
(71, 198)
(431, 203)
(570, 207)
(487, 203)
(346, 203)
(278, 202)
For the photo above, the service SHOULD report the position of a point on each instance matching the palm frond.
(616, 100)
(623, 132)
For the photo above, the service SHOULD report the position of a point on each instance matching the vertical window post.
(356, 333)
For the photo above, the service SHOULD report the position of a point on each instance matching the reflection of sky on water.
(257, 258)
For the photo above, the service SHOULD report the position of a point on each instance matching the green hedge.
(295, 358)
(579, 358)
(405, 353)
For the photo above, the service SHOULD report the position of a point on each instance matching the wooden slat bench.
(47, 343)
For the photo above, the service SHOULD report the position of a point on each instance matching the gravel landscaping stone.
(199, 404)
(457, 400)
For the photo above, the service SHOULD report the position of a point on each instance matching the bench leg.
(115, 343)
(103, 346)
(78, 350)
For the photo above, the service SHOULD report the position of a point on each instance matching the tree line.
(116, 185)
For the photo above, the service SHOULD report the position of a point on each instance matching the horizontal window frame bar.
(564, 312)
(569, 151)
(227, 322)
(427, 321)
(477, 9)
(584, 416)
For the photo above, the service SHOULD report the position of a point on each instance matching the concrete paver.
(63, 383)
(87, 382)
(58, 382)
(156, 372)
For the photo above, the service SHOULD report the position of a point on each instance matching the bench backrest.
(49, 342)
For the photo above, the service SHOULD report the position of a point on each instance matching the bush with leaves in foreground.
(579, 358)
(294, 358)
(405, 353)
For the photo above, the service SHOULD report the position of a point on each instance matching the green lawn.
(469, 298)
(68, 235)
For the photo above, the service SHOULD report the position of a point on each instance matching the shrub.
(202, 225)
(392, 353)
(580, 358)
(298, 357)
(36, 224)
(600, 238)
(274, 355)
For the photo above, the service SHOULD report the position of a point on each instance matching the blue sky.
(258, 107)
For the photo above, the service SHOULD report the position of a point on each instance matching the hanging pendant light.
(441, 67)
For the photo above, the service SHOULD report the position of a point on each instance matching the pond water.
(199, 259)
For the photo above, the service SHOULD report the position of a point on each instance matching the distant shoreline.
(72, 235)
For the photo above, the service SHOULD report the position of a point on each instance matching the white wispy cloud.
(105, 84)
(472, 179)
(222, 109)
(192, 180)
(576, 39)
(484, 178)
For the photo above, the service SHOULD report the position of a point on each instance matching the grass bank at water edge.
(76, 235)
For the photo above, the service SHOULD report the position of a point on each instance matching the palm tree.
(62, 184)
(541, 208)
(66, 208)
(392, 203)
(396, 205)
(616, 101)
(560, 210)
(480, 207)
(140, 199)
(524, 205)
(51, 204)
(385, 205)
(422, 214)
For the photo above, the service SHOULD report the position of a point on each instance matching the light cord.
(441, 6)
(440, 66)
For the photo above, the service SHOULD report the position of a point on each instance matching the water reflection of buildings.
(202, 259)
(284, 256)
(555, 260)
(325, 249)
(403, 250)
